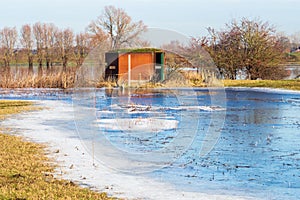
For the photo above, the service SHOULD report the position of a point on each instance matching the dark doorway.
(159, 66)
(158, 58)
(112, 66)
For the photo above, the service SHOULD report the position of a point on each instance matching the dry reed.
(23, 78)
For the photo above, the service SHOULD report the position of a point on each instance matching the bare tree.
(98, 37)
(49, 31)
(27, 44)
(175, 59)
(248, 45)
(82, 47)
(64, 44)
(9, 38)
(118, 26)
(226, 50)
(39, 44)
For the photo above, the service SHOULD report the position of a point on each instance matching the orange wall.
(142, 66)
(123, 64)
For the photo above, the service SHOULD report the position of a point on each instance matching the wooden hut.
(135, 65)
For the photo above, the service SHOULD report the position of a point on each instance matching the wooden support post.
(129, 70)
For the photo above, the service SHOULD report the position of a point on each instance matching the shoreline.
(266, 89)
(29, 89)
(53, 127)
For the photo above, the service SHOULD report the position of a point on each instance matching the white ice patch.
(203, 108)
(105, 112)
(148, 108)
(137, 124)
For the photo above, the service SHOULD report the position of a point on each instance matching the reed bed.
(23, 78)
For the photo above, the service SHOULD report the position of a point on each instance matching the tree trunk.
(65, 62)
(248, 68)
(234, 74)
(40, 69)
(30, 65)
(79, 62)
(7, 66)
(48, 64)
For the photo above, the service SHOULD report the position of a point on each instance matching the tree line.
(42, 43)
(251, 47)
(46, 44)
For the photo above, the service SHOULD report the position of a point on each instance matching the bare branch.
(116, 26)
(9, 37)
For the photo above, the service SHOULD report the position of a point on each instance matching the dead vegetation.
(23, 78)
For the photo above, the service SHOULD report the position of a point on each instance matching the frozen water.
(257, 154)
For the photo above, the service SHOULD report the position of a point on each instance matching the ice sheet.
(55, 127)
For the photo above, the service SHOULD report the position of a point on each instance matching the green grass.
(136, 50)
(280, 84)
(26, 172)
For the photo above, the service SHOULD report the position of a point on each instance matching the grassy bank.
(26, 172)
(281, 84)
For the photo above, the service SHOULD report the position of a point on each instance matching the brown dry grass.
(195, 79)
(26, 172)
(22, 78)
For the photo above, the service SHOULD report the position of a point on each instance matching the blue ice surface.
(257, 153)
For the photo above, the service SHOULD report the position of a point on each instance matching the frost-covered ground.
(55, 127)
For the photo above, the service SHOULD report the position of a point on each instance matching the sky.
(188, 17)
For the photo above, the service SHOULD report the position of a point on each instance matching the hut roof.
(136, 50)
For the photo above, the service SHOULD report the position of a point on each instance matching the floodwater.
(258, 152)
(254, 151)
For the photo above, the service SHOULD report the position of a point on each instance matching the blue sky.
(189, 17)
